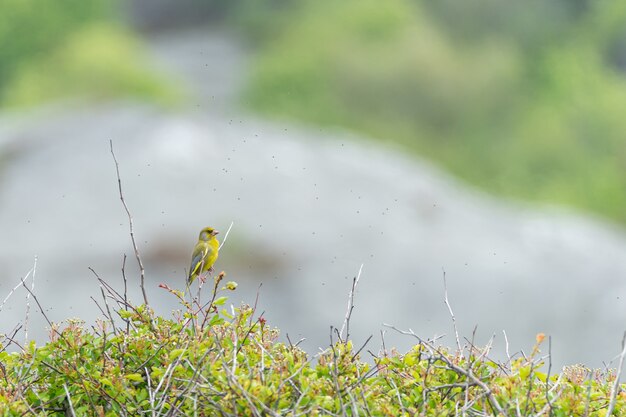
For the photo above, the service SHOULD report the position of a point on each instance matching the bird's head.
(207, 233)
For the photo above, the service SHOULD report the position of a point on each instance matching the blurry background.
(484, 138)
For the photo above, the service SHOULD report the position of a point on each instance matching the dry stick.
(361, 348)
(11, 340)
(445, 299)
(130, 225)
(32, 288)
(21, 283)
(45, 316)
(615, 388)
(382, 339)
(469, 355)
(291, 345)
(346, 321)
(484, 354)
(69, 400)
(43, 313)
(506, 348)
(108, 313)
(125, 291)
(113, 294)
(256, 302)
(226, 235)
(335, 373)
(99, 308)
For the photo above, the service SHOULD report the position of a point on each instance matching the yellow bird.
(204, 254)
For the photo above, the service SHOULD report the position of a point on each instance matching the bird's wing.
(197, 257)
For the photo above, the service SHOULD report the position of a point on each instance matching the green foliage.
(523, 100)
(99, 62)
(207, 362)
(70, 48)
(31, 28)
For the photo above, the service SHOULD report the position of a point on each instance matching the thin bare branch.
(615, 388)
(69, 401)
(350, 307)
(20, 284)
(226, 235)
(445, 299)
(506, 348)
(32, 290)
(142, 271)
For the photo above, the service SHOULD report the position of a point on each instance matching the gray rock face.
(308, 207)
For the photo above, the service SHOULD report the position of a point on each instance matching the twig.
(108, 313)
(32, 289)
(12, 340)
(130, 225)
(382, 338)
(226, 235)
(21, 283)
(45, 316)
(361, 348)
(346, 321)
(615, 387)
(506, 347)
(256, 302)
(445, 299)
(69, 400)
(335, 373)
(291, 345)
(113, 294)
(125, 290)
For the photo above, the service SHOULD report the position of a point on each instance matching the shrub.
(205, 361)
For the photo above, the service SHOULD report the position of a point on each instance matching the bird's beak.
(215, 232)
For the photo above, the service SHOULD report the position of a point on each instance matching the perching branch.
(226, 235)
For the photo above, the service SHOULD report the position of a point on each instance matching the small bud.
(219, 277)
(540, 337)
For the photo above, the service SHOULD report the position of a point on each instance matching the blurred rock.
(309, 207)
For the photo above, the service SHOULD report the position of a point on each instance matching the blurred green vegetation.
(524, 99)
(71, 48)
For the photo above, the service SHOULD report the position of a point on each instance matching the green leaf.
(125, 314)
(220, 301)
(134, 377)
(176, 353)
